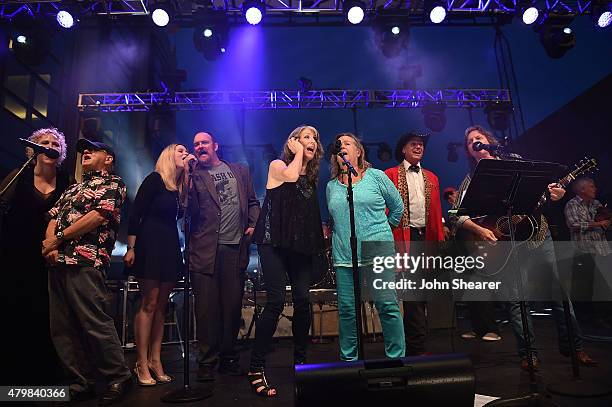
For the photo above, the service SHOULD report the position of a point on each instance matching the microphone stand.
(355, 260)
(187, 393)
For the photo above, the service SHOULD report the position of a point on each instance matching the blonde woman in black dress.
(154, 257)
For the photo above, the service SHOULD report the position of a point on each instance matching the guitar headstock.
(585, 166)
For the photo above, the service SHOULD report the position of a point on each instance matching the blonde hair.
(312, 168)
(166, 168)
(362, 164)
(38, 134)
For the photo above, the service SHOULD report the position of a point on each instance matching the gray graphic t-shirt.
(230, 231)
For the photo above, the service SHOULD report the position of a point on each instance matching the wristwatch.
(60, 235)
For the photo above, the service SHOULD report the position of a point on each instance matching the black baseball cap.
(84, 144)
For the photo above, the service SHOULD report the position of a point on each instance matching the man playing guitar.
(541, 253)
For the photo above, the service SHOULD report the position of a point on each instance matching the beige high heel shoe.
(147, 382)
(161, 379)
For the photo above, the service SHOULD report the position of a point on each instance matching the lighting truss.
(310, 12)
(290, 99)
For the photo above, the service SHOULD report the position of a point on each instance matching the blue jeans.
(388, 311)
(543, 255)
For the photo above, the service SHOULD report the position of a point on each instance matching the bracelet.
(130, 247)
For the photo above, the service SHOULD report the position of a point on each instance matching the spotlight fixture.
(390, 34)
(253, 10)
(354, 11)
(601, 13)
(437, 13)
(453, 156)
(30, 39)
(498, 115)
(64, 19)
(22, 39)
(211, 35)
(160, 17)
(530, 15)
(556, 36)
(434, 116)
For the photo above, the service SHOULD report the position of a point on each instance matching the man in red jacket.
(421, 221)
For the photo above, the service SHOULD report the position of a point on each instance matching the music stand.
(500, 187)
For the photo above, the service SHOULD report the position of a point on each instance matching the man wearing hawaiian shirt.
(78, 244)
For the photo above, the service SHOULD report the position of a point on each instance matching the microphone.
(38, 149)
(192, 163)
(336, 150)
(491, 148)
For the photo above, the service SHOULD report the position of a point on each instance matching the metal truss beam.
(291, 99)
(187, 12)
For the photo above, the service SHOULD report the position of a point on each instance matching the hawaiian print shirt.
(99, 191)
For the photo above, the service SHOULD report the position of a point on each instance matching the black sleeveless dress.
(153, 222)
(290, 218)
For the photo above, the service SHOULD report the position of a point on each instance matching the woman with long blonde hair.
(288, 235)
(154, 257)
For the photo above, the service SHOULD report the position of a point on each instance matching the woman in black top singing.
(288, 234)
(25, 299)
(154, 257)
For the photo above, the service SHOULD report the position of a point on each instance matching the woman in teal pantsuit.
(373, 192)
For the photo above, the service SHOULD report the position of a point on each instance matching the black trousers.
(277, 264)
(83, 333)
(218, 307)
(415, 321)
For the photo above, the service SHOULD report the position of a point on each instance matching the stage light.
(21, 39)
(434, 116)
(498, 115)
(437, 14)
(601, 13)
(254, 11)
(160, 17)
(354, 11)
(390, 34)
(211, 37)
(64, 19)
(31, 39)
(530, 15)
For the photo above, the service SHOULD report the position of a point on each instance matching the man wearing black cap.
(78, 245)
(421, 221)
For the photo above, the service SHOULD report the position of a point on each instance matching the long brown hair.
(488, 135)
(362, 164)
(312, 168)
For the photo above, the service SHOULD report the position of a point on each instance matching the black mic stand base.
(531, 400)
(579, 388)
(187, 394)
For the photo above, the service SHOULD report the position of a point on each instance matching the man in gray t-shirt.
(224, 211)
(227, 190)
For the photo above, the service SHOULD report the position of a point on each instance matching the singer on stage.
(154, 256)
(26, 297)
(288, 234)
(373, 193)
(540, 254)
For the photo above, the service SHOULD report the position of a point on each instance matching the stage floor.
(496, 365)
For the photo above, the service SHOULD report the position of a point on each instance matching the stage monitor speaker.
(440, 380)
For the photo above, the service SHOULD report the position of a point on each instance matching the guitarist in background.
(541, 253)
